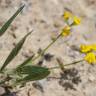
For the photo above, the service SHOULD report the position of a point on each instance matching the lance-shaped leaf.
(27, 61)
(14, 52)
(33, 73)
(7, 24)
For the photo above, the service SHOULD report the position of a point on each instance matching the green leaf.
(15, 51)
(33, 73)
(27, 61)
(7, 24)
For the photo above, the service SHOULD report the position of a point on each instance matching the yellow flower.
(85, 48)
(76, 20)
(90, 58)
(93, 47)
(67, 15)
(65, 31)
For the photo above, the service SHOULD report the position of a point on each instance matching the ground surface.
(44, 17)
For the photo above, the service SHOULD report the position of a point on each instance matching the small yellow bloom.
(76, 20)
(66, 31)
(93, 47)
(85, 48)
(67, 15)
(90, 58)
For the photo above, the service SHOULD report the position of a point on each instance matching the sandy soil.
(44, 17)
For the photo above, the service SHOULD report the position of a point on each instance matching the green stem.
(73, 63)
(46, 48)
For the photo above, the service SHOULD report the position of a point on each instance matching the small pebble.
(91, 78)
(2, 91)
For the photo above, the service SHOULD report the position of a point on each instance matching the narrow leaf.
(7, 24)
(34, 73)
(24, 63)
(14, 52)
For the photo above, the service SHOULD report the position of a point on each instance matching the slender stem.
(73, 63)
(46, 48)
